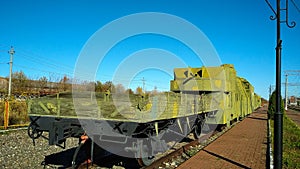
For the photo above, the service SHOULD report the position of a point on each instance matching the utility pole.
(278, 114)
(286, 97)
(270, 92)
(287, 74)
(11, 52)
(143, 80)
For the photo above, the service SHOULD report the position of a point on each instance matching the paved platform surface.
(243, 146)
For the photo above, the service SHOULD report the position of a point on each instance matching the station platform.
(243, 146)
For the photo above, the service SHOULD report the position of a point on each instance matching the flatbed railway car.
(143, 125)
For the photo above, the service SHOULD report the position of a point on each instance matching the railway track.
(172, 158)
(13, 129)
(184, 152)
(297, 108)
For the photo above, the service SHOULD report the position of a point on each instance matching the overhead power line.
(45, 62)
(44, 59)
(295, 5)
(55, 69)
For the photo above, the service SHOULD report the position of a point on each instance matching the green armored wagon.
(211, 95)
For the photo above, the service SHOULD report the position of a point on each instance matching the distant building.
(298, 101)
(293, 100)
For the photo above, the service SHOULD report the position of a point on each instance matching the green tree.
(272, 105)
(109, 86)
(98, 86)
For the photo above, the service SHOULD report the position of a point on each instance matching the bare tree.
(119, 88)
(19, 82)
(155, 91)
(64, 83)
(42, 82)
(129, 91)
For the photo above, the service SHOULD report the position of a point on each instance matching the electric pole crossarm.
(292, 72)
(143, 80)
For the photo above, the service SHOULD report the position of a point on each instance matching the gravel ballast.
(17, 150)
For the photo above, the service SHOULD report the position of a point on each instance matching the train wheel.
(198, 127)
(197, 131)
(145, 161)
(33, 132)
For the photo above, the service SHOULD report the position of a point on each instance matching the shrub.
(1, 113)
(272, 105)
(17, 113)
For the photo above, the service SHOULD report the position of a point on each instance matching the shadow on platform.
(226, 159)
(258, 118)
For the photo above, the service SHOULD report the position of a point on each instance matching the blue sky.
(49, 35)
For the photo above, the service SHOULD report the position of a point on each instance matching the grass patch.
(291, 143)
